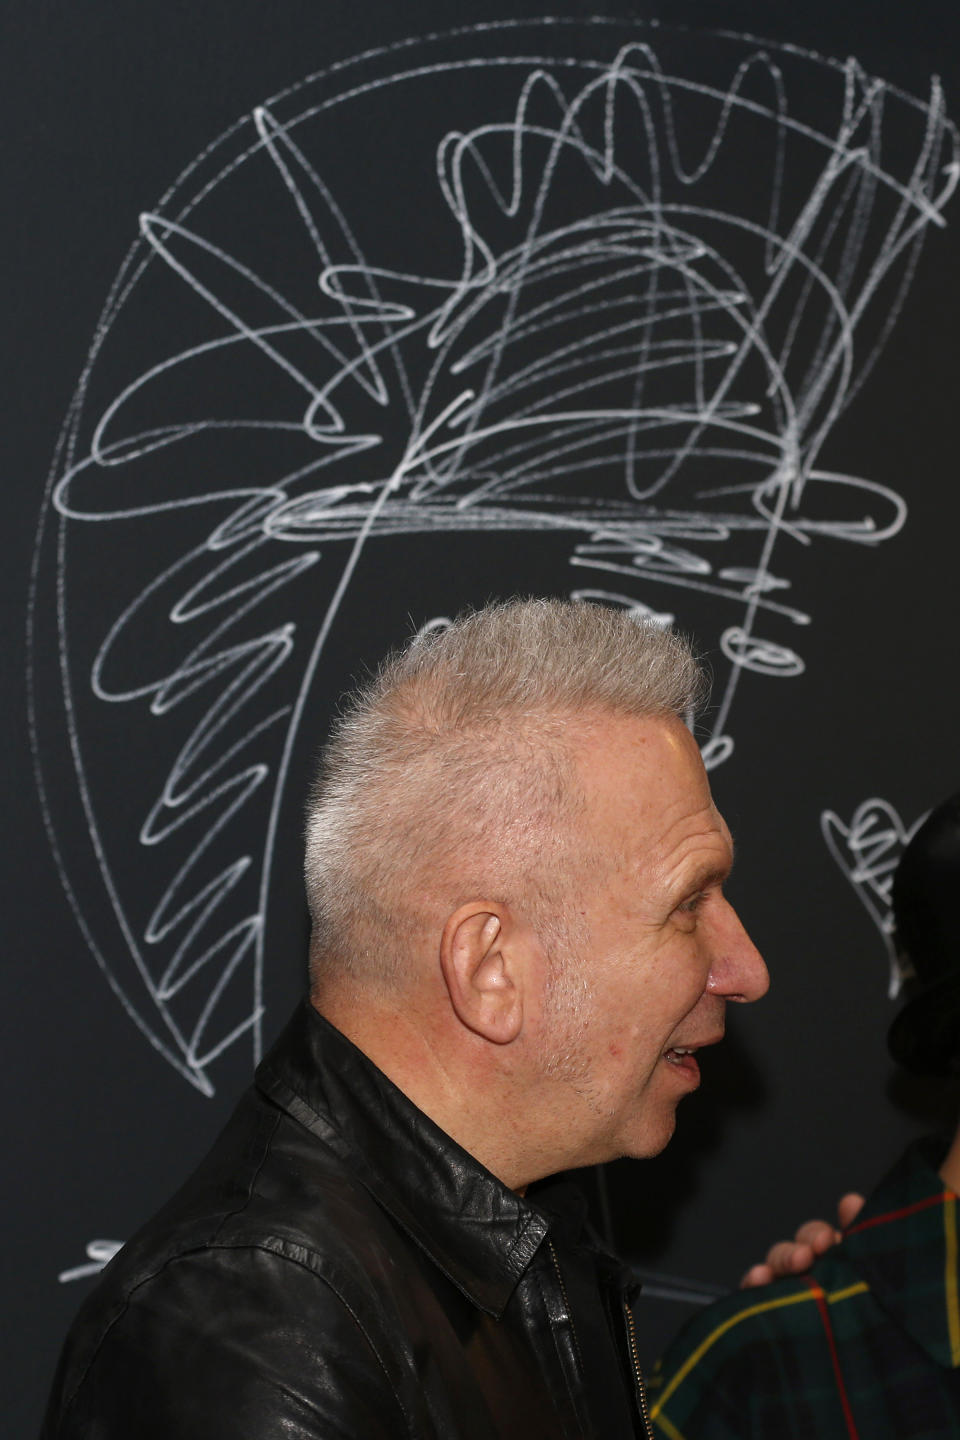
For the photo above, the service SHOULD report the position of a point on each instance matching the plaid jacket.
(866, 1346)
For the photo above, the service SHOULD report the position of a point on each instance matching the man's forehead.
(628, 734)
(651, 755)
(647, 792)
(697, 838)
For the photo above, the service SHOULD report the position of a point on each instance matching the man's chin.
(655, 1146)
(650, 1141)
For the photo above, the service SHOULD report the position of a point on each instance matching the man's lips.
(687, 1047)
(683, 1057)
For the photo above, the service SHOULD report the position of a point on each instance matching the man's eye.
(691, 906)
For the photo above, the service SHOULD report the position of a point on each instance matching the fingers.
(757, 1275)
(814, 1238)
(817, 1235)
(848, 1208)
(791, 1257)
(787, 1257)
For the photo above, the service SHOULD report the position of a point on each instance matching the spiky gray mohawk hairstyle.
(448, 775)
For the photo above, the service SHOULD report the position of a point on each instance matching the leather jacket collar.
(480, 1234)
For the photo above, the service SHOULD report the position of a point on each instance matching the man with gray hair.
(520, 940)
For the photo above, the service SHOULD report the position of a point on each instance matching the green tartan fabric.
(866, 1346)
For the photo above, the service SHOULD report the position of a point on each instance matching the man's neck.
(412, 1054)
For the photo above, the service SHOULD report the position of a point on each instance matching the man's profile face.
(661, 949)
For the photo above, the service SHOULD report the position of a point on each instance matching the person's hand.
(815, 1237)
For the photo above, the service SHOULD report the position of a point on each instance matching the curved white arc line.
(309, 671)
(294, 726)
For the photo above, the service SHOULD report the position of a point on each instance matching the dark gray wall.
(745, 315)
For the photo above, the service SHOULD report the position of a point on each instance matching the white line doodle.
(661, 266)
(99, 1253)
(868, 851)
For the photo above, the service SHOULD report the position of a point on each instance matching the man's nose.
(738, 971)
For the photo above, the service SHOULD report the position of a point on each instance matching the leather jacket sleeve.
(221, 1344)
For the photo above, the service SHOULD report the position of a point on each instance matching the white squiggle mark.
(99, 1253)
(868, 850)
(439, 622)
(634, 607)
(611, 349)
(764, 657)
(716, 750)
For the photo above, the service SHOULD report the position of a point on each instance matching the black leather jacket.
(339, 1267)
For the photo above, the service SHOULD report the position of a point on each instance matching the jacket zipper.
(631, 1335)
(641, 1388)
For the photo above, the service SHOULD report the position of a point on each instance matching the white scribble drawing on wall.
(658, 270)
(868, 850)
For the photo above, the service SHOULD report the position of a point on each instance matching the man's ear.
(479, 973)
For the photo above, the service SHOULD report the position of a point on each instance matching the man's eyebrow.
(709, 875)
